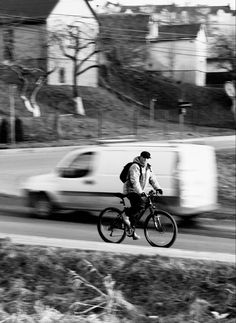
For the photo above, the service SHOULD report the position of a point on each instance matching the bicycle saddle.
(120, 195)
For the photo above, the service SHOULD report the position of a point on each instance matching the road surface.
(81, 227)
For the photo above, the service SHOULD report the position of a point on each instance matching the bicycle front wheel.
(111, 227)
(160, 229)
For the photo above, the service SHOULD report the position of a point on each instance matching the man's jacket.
(136, 182)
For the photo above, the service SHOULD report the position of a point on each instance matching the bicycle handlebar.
(152, 193)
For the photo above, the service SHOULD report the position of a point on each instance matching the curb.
(218, 142)
(114, 248)
(228, 141)
(33, 150)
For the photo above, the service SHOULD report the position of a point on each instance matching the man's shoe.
(135, 236)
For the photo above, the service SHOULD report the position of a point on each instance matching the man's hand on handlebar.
(159, 191)
(152, 192)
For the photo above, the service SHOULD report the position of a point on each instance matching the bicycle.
(160, 228)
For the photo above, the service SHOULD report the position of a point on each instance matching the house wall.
(182, 60)
(201, 58)
(28, 42)
(77, 14)
(174, 59)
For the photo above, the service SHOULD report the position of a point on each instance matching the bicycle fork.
(157, 222)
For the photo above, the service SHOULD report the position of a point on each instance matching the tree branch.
(87, 58)
(87, 68)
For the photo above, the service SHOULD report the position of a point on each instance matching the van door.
(76, 179)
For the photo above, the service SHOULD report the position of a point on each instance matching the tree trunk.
(75, 87)
(76, 97)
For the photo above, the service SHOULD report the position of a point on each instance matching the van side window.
(80, 166)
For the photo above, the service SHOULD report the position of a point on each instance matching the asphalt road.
(82, 226)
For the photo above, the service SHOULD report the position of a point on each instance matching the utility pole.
(151, 111)
(12, 88)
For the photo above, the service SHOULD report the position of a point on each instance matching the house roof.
(35, 11)
(167, 32)
(135, 27)
(193, 10)
(29, 11)
(146, 8)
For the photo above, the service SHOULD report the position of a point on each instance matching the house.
(178, 51)
(27, 25)
(217, 19)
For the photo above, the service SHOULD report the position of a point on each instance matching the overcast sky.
(178, 2)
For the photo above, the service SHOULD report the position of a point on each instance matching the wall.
(201, 58)
(172, 57)
(183, 60)
(27, 41)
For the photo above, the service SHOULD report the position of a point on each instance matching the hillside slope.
(110, 114)
(210, 106)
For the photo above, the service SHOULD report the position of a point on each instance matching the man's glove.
(159, 191)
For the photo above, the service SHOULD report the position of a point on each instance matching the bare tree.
(76, 42)
(29, 81)
(225, 49)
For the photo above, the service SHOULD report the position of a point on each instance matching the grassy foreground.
(49, 285)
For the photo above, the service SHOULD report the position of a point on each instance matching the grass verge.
(45, 284)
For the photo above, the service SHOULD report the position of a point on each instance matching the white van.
(87, 177)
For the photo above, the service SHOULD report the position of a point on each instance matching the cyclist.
(139, 175)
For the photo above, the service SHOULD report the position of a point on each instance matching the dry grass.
(49, 285)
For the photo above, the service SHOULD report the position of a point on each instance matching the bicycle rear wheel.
(111, 227)
(160, 229)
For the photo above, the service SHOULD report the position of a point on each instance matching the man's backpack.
(125, 171)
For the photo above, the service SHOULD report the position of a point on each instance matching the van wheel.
(42, 206)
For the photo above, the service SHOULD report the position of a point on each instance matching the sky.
(178, 2)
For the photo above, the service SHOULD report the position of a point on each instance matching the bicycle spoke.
(160, 229)
(110, 226)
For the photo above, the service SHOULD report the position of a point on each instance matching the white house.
(72, 17)
(178, 52)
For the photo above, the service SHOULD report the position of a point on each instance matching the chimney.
(153, 29)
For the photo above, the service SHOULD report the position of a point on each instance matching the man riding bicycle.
(139, 175)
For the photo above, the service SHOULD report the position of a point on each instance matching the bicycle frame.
(149, 205)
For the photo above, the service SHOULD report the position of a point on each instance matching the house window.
(62, 75)
(8, 44)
